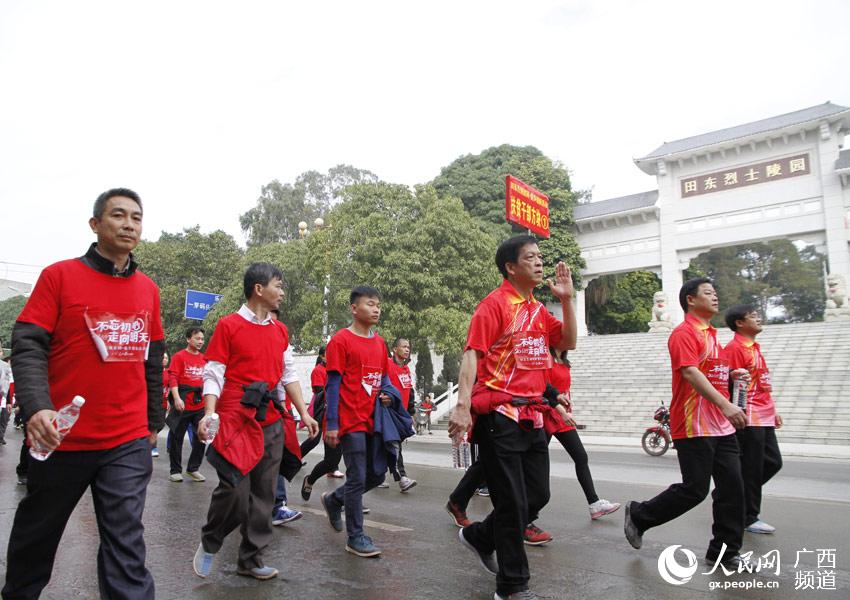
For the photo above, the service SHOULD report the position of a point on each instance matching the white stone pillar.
(671, 272)
(581, 310)
(837, 249)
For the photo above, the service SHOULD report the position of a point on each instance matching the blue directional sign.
(198, 304)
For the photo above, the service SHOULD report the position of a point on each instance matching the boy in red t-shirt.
(185, 383)
(357, 372)
(702, 423)
(400, 377)
(760, 456)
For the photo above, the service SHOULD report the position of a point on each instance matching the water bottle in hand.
(62, 421)
(460, 453)
(212, 428)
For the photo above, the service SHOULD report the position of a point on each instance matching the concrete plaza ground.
(809, 503)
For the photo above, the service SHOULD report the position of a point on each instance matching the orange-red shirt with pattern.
(693, 344)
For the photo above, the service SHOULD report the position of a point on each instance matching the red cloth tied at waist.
(485, 401)
(240, 438)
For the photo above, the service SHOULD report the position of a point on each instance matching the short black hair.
(193, 330)
(689, 288)
(508, 251)
(399, 340)
(363, 291)
(259, 272)
(100, 203)
(737, 313)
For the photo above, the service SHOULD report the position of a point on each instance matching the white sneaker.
(195, 476)
(760, 527)
(383, 485)
(405, 483)
(602, 507)
(175, 477)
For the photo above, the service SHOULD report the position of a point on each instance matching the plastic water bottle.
(212, 429)
(63, 421)
(739, 389)
(461, 454)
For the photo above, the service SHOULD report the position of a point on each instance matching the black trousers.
(118, 479)
(516, 467)
(471, 481)
(760, 460)
(24, 460)
(4, 422)
(328, 464)
(700, 460)
(399, 466)
(175, 448)
(572, 444)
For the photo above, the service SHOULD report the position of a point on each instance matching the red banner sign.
(526, 206)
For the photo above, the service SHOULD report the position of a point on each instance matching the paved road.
(809, 503)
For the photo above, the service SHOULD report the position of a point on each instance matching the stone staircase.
(619, 381)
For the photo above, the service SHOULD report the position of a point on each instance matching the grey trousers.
(248, 506)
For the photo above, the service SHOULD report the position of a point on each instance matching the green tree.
(785, 283)
(10, 308)
(188, 260)
(479, 181)
(621, 303)
(424, 369)
(281, 206)
(431, 261)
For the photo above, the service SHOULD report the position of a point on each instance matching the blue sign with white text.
(198, 304)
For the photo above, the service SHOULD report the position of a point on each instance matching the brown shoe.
(458, 514)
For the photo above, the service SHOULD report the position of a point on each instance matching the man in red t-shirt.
(760, 456)
(185, 383)
(357, 379)
(502, 379)
(399, 372)
(702, 424)
(250, 369)
(90, 328)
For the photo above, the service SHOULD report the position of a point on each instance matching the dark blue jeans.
(359, 478)
(118, 479)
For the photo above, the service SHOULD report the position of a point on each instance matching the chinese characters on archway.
(728, 179)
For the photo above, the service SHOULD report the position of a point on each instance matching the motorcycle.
(656, 440)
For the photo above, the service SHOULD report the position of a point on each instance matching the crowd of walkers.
(96, 319)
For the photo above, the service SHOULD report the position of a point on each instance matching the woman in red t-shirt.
(559, 422)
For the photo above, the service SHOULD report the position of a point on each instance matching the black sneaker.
(488, 561)
(633, 534)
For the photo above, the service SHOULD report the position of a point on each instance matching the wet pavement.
(809, 503)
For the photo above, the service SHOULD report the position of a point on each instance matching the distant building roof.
(843, 161)
(730, 134)
(615, 205)
(10, 289)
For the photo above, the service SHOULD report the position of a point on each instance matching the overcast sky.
(197, 104)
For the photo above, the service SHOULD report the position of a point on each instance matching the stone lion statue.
(836, 291)
(659, 307)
